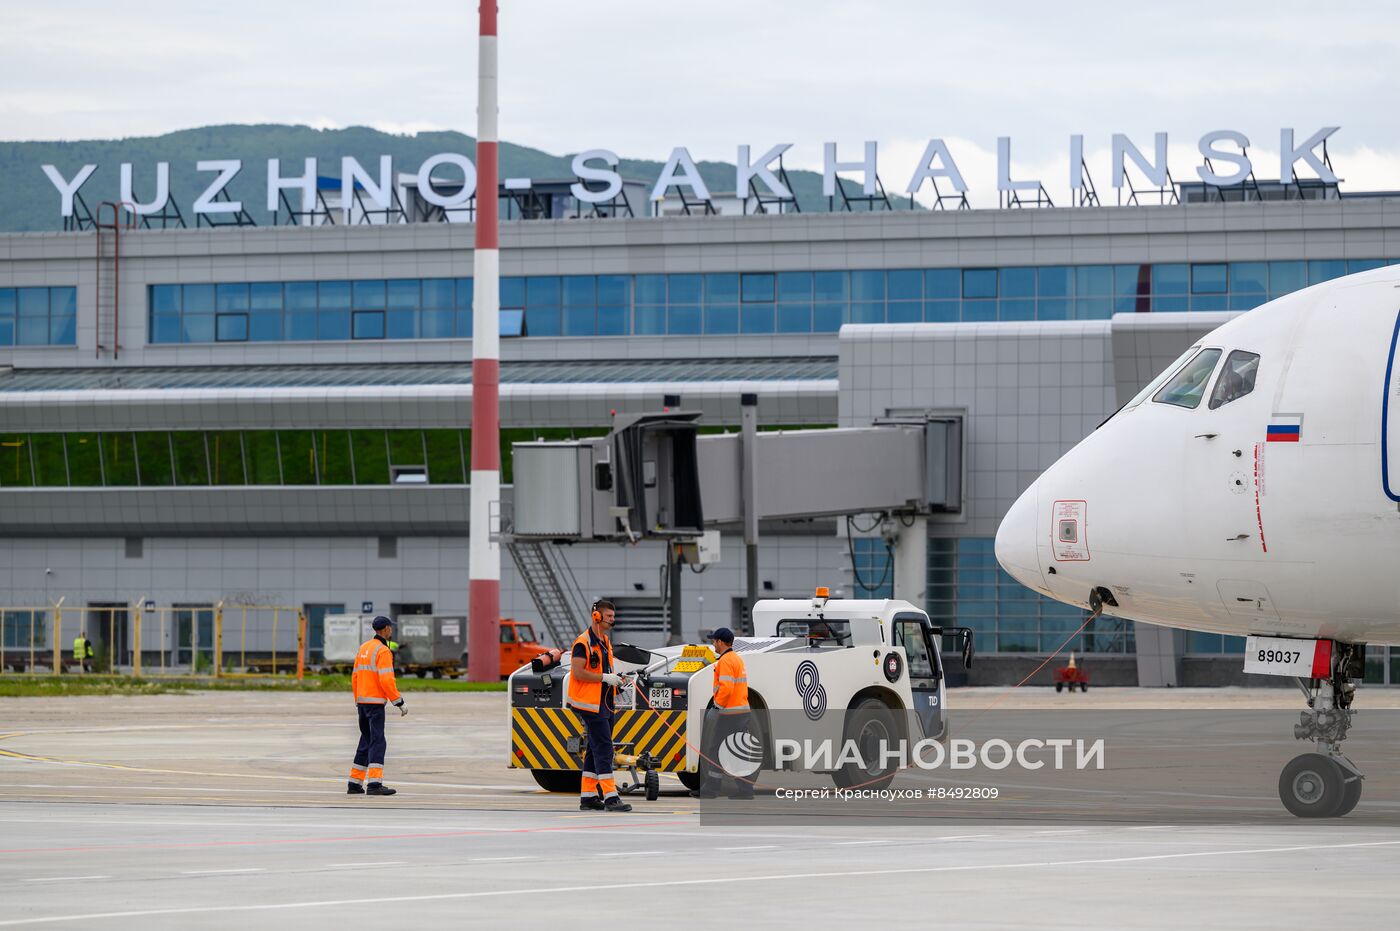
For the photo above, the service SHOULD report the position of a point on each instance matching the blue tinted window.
(7, 331)
(829, 286)
(301, 295)
(942, 311)
(721, 318)
(512, 292)
(465, 322)
(1208, 279)
(34, 331)
(369, 324)
(1054, 281)
(263, 295)
(1210, 302)
(1167, 305)
(794, 318)
(904, 311)
(265, 327)
(826, 318)
(1093, 281)
(905, 284)
(979, 311)
(683, 319)
(63, 301)
(165, 330)
(333, 324)
(612, 321)
(1319, 271)
(580, 291)
(684, 289)
(405, 294)
(465, 294)
(165, 299)
(63, 331)
(794, 286)
(1363, 265)
(868, 286)
(867, 311)
(721, 289)
(301, 326)
(231, 297)
(651, 289)
(1016, 309)
(196, 328)
(613, 290)
(943, 282)
(232, 327)
(512, 322)
(1285, 277)
(197, 299)
(368, 295)
(1093, 308)
(539, 291)
(334, 295)
(757, 288)
(7, 302)
(979, 282)
(1018, 282)
(441, 293)
(1170, 279)
(1053, 308)
(649, 320)
(439, 324)
(33, 302)
(539, 321)
(1128, 278)
(579, 321)
(1249, 277)
(401, 324)
(1246, 301)
(756, 318)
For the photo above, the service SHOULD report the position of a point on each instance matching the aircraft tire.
(1350, 796)
(1313, 786)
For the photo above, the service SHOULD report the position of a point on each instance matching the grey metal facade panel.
(440, 510)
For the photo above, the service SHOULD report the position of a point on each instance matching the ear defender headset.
(597, 615)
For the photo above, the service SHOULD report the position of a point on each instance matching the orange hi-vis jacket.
(373, 678)
(588, 696)
(731, 684)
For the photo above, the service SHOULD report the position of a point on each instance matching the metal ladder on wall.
(553, 588)
(109, 224)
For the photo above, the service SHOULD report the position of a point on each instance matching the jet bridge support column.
(911, 559)
(748, 472)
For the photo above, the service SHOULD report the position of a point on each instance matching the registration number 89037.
(1279, 656)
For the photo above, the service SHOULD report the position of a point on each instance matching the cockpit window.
(1236, 379)
(1162, 376)
(1188, 386)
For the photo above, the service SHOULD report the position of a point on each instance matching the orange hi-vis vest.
(373, 678)
(588, 696)
(731, 684)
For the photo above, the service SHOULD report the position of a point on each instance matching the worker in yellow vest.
(82, 652)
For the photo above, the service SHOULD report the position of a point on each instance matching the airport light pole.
(484, 598)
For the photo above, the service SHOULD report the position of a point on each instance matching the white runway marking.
(633, 853)
(246, 869)
(61, 879)
(754, 847)
(675, 883)
(500, 859)
(858, 843)
(360, 865)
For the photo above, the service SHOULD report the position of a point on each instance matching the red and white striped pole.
(483, 639)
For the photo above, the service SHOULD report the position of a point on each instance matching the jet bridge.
(656, 477)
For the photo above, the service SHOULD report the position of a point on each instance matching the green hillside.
(28, 201)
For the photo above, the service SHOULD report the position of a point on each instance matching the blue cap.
(382, 622)
(723, 635)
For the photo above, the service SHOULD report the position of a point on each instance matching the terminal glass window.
(1187, 386)
(38, 316)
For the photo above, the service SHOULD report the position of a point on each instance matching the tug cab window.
(1236, 378)
(1188, 386)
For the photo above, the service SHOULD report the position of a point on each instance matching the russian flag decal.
(1285, 428)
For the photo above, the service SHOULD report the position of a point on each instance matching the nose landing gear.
(1325, 784)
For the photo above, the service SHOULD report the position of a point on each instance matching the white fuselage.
(1192, 517)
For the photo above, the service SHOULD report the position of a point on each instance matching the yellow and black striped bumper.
(552, 738)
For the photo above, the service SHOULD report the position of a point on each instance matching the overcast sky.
(641, 76)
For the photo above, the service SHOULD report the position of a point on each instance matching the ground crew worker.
(591, 689)
(728, 715)
(372, 683)
(82, 652)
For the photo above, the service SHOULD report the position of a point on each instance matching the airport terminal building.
(281, 414)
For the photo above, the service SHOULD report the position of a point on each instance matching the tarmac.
(215, 810)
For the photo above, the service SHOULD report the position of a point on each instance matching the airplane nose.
(1017, 540)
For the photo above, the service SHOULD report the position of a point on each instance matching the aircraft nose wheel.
(1316, 786)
